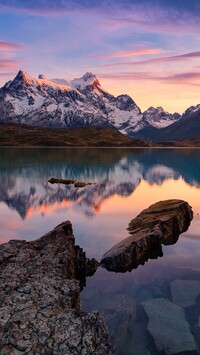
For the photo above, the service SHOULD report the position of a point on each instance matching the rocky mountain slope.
(186, 130)
(77, 103)
(81, 102)
(159, 118)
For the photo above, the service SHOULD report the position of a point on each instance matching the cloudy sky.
(149, 49)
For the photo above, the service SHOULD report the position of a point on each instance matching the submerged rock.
(169, 328)
(185, 292)
(40, 309)
(161, 223)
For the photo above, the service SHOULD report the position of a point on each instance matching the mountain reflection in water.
(24, 174)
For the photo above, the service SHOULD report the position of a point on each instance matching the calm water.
(126, 182)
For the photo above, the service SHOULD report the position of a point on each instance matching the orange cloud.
(132, 53)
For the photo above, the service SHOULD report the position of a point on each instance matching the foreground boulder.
(40, 298)
(161, 223)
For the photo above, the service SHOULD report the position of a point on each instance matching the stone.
(185, 292)
(69, 182)
(40, 311)
(61, 181)
(161, 223)
(168, 327)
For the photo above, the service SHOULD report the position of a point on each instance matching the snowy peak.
(159, 118)
(23, 79)
(87, 80)
(191, 110)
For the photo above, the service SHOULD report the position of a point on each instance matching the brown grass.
(28, 136)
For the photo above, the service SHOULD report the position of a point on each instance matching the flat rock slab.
(161, 223)
(185, 292)
(40, 309)
(168, 327)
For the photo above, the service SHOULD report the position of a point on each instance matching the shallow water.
(126, 182)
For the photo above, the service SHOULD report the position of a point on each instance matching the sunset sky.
(149, 49)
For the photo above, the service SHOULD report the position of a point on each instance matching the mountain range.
(82, 102)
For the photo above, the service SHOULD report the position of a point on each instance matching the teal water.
(126, 182)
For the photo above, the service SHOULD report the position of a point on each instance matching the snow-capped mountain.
(59, 103)
(159, 118)
(191, 110)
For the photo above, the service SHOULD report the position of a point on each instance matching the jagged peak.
(88, 76)
(158, 108)
(23, 76)
(88, 79)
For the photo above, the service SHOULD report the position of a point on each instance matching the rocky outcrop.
(169, 328)
(40, 309)
(161, 223)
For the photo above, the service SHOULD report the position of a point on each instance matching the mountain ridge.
(83, 102)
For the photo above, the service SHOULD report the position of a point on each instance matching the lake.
(155, 309)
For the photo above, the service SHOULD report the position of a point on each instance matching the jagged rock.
(40, 309)
(161, 223)
(169, 328)
(185, 292)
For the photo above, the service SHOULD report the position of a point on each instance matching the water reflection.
(24, 174)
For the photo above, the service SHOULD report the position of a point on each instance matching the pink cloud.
(127, 76)
(8, 46)
(10, 63)
(2, 75)
(163, 59)
(131, 53)
(183, 78)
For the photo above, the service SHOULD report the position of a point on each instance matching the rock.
(185, 292)
(80, 184)
(61, 181)
(40, 309)
(69, 182)
(168, 327)
(161, 223)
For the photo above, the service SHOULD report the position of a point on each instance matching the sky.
(148, 49)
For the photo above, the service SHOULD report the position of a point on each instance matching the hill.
(28, 136)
